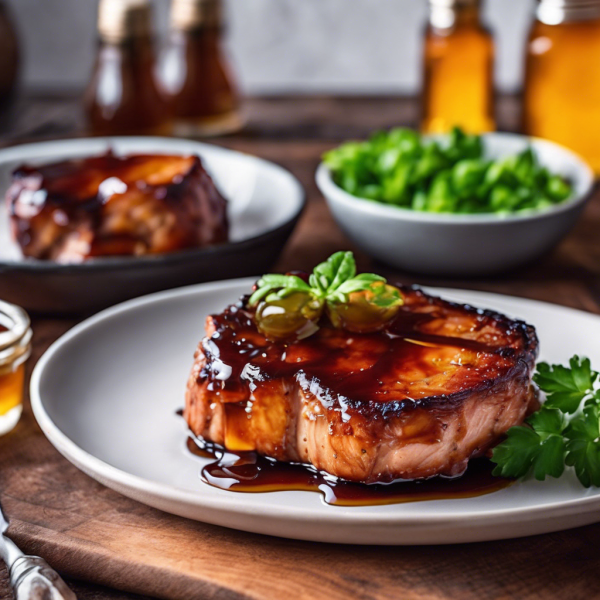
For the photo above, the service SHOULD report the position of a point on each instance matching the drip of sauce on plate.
(250, 472)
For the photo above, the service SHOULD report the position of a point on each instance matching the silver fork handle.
(32, 578)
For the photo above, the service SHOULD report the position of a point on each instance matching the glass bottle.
(562, 76)
(15, 348)
(203, 95)
(9, 57)
(124, 94)
(458, 69)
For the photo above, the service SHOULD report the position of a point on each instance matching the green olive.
(291, 318)
(366, 311)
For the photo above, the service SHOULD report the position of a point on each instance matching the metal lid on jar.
(554, 12)
(119, 20)
(196, 14)
(15, 336)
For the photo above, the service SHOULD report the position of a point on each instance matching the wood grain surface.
(100, 540)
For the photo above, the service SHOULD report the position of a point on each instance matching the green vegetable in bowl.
(401, 168)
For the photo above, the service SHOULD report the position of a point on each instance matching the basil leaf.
(344, 269)
(283, 285)
(329, 275)
(354, 285)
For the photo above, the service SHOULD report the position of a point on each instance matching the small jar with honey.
(196, 74)
(124, 95)
(458, 87)
(15, 348)
(562, 76)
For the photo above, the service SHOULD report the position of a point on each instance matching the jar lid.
(196, 14)
(554, 12)
(15, 334)
(119, 20)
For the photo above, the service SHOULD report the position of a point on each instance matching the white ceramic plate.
(106, 393)
(264, 203)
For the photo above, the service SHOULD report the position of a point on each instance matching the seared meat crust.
(440, 385)
(110, 205)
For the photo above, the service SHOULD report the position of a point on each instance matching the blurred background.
(279, 46)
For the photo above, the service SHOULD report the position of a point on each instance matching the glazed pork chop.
(439, 385)
(112, 205)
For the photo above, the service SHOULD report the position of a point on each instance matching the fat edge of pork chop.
(438, 420)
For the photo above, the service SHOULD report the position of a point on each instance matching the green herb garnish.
(330, 281)
(564, 431)
(402, 168)
(286, 303)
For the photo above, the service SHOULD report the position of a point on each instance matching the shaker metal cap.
(119, 20)
(196, 14)
(554, 12)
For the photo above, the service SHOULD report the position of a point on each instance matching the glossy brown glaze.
(440, 385)
(114, 205)
(385, 372)
(252, 473)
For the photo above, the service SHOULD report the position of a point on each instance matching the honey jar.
(458, 57)
(15, 348)
(562, 76)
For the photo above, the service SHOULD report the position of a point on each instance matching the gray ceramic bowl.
(265, 202)
(463, 245)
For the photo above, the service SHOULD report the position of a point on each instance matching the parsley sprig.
(330, 282)
(564, 432)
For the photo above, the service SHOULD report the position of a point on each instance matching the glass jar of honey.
(196, 74)
(458, 87)
(124, 95)
(15, 348)
(562, 76)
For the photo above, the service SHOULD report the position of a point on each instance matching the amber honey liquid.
(458, 76)
(11, 392)
(203, 96)
(562, 89)
(123, 96)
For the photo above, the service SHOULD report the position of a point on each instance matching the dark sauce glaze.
(364, 372)
(78, 184)
(250, 472)
(115, 204)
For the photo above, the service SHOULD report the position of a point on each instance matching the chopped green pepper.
(400, 167)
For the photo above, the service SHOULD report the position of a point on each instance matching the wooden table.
(48, 500)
